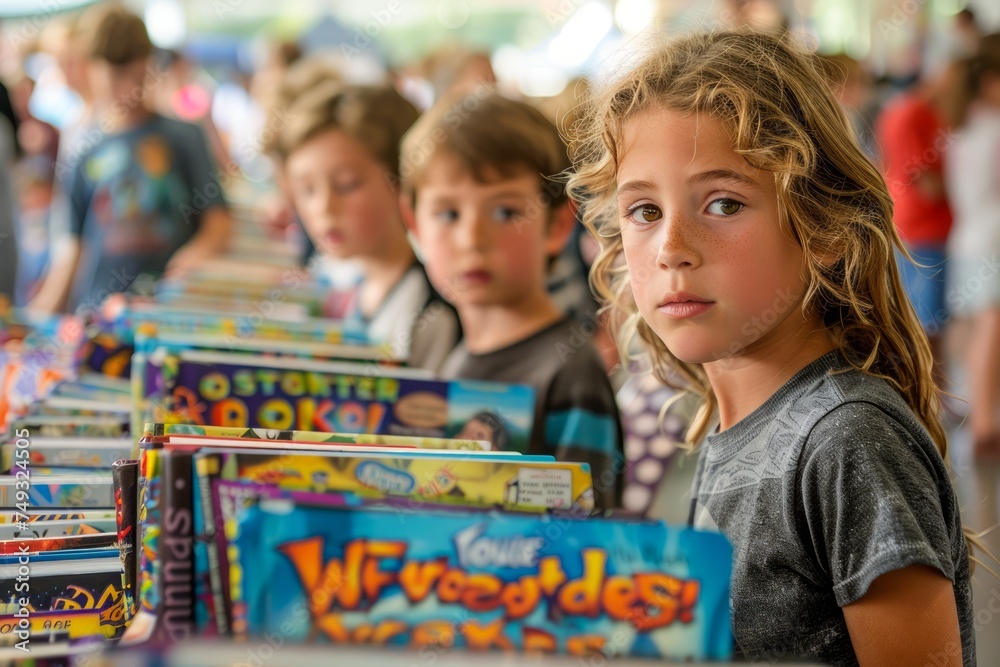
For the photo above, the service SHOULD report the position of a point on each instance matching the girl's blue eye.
(725, 207)
(645, 214)
(504, 214)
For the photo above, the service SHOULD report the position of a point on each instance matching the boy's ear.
(560, 228)
(408, 215)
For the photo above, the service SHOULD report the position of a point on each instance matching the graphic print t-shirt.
(134, 200)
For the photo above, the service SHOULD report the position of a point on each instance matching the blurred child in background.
(913, 135)
(278, 215)
(490, 221)
(145, 197)
(340, 154)
(973, 177)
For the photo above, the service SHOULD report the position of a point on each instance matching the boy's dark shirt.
(576, 416)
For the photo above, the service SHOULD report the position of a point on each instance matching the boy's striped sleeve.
(581, 424)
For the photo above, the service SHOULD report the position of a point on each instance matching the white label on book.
(545, 488)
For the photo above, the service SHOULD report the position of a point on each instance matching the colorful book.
(58, 543)
(485, 480)
(69, 452)
(235, 326)
(276, 438)
(125, 476)
(45, 629)
(66, 585)
(175, 615)
(282, 394)
(155, 390)
(495, 581)
(72, 426)
(43, 529)
(89, 554)
(33, 515)
(91, 490)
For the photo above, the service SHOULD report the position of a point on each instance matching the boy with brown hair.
(480, 198)
(340, 157)
(133, 197)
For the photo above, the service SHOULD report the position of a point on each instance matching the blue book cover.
(482, 581)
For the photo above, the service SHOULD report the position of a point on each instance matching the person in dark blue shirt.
(145, 198)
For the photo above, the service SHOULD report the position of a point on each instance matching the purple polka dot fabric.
(649, 448)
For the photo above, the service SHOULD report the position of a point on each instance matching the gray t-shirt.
(827, 486)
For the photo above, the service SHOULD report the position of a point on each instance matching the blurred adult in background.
(280, 218)
(278, 58)
(145, 197)
(178, 95)
(33, 178)
(966, 34)
(973, 178)
(453, 69)
(65, 40)
(913, 135)
(8, 152)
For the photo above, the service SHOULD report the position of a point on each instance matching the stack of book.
(408, 542)
(60, 564)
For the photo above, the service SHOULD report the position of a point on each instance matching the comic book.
(282, 394)
(161, 431)
(44, 515)
(416, 479)
(58, 542)
(72, 426)
(66, 585)
(484, 480)
(50, 628)
(483, 581)
(91, 490)
(125, 475)
(155, 388)
(175, 615)
(149, 522)
(89, 554)
(124, 321)
(69, 452)
(280, 347)
(228, 501)
(38, 529)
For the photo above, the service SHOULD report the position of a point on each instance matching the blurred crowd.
(935, 134)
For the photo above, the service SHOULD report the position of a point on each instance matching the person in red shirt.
(913, 137)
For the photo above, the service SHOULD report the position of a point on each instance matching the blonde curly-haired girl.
(748, 244)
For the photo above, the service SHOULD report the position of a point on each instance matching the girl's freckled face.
(712, 271)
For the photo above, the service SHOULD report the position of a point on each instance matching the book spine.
(148, 518)
(176, 549)
(125, 474)
(207, 468)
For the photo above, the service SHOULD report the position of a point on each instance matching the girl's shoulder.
(866, 419)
